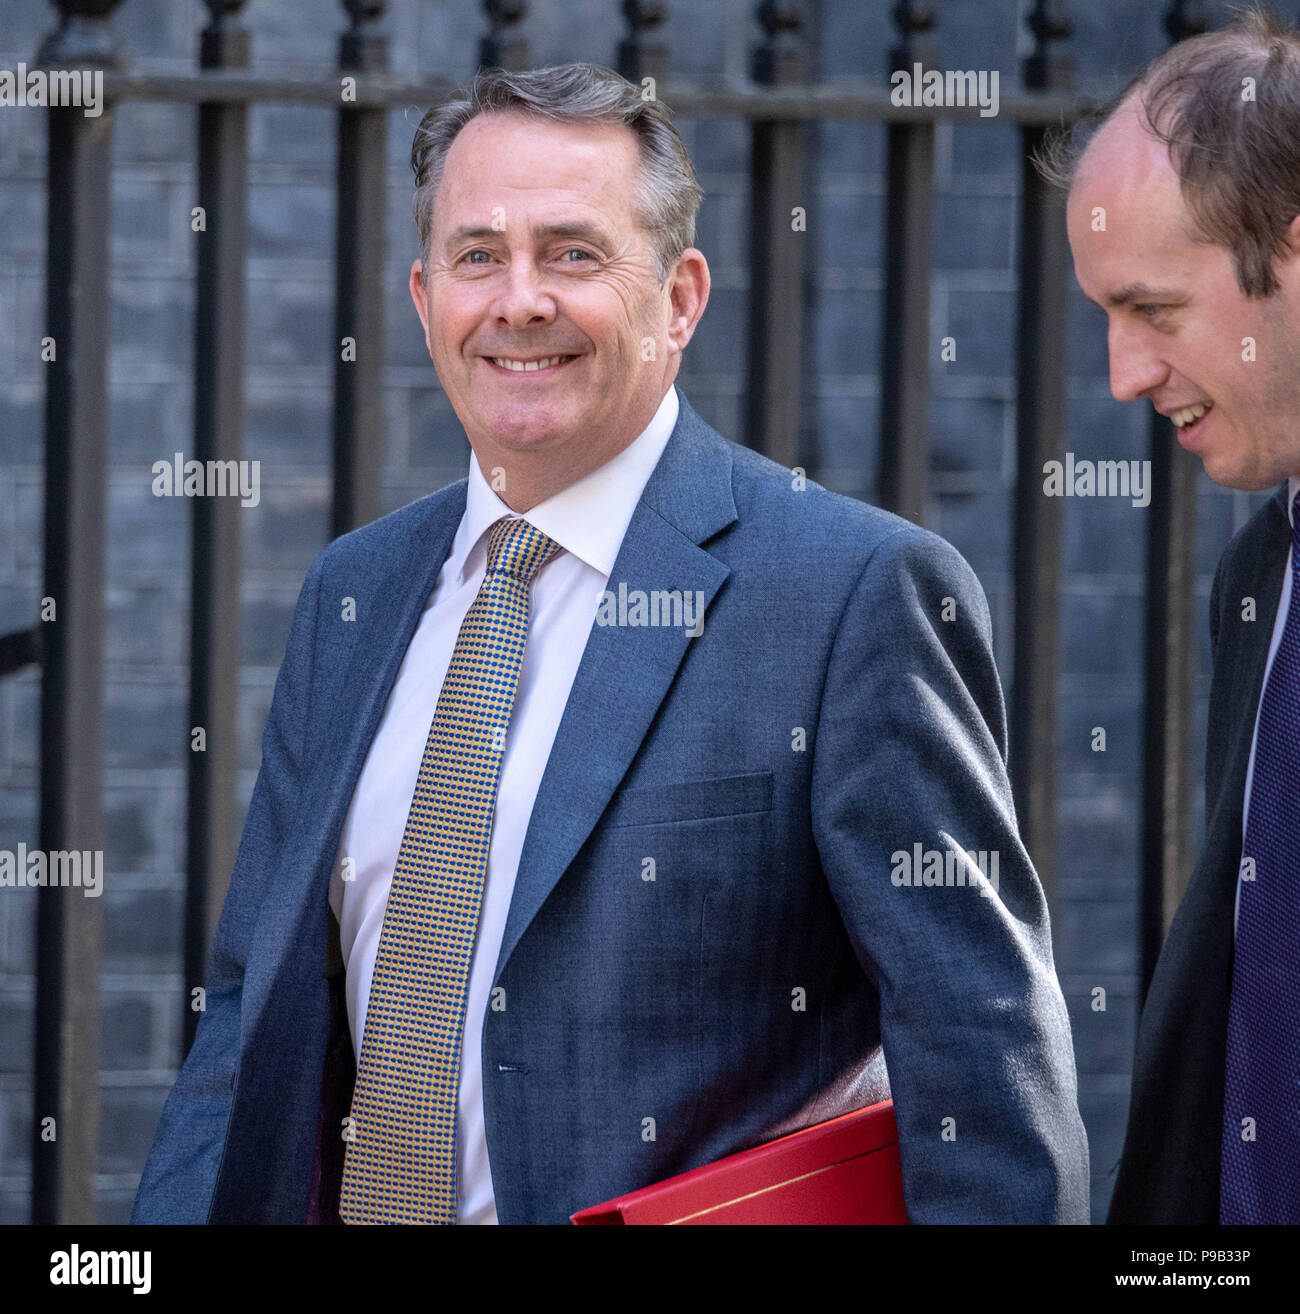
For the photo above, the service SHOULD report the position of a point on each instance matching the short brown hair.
(668, 194)
(1227, 107)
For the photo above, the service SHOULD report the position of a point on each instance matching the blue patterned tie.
(400, 1163)
(1260, 1174)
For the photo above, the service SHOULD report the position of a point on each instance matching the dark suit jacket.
(1169, 1172)
(840, 705)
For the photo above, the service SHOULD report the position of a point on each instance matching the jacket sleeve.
(181, 1171)
(910, 762)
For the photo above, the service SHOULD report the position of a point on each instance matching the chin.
(509, 442)
(1245, 479)
(518, 427)
(523, 432)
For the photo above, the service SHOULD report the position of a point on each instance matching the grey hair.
(667, 194)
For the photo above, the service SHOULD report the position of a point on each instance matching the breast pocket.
(692, 800)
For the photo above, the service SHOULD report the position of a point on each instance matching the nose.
(523, 299)
(1135, 367)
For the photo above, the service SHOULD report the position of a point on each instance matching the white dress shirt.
(1279, 624)
(588, 520)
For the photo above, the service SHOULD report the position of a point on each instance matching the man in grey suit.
(751, 834)
(1184, 220)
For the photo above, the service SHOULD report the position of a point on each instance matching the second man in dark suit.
(1184, 222)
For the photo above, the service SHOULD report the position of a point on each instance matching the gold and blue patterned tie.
(400, 1164)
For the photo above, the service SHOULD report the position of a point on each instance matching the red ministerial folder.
(842, 1171)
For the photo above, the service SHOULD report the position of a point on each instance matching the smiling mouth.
(544, 365)
(1187, 421)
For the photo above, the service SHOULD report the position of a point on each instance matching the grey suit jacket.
(840, 708)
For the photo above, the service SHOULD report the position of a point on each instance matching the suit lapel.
(625, 672)
(1259, 575)
(337, 754)
(399, 603)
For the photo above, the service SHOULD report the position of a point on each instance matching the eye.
(586, 255)
(476, 251)
(1149, 311)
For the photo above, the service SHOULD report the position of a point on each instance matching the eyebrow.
(1140, 292)
(576, 229)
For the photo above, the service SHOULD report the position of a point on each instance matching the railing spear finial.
(225, 42)
(505, 46)
(781, 58)
(1050, 67)
(914, 20)
(84, 36)
(643, 53)
(363, 48)
(1185, 18)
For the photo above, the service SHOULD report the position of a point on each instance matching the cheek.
(636, 324)
(453, 314)
(620, 310)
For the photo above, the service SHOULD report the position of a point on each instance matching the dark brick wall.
(289, 374)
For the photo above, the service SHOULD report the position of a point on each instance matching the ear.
(419, 297)
(689, 290)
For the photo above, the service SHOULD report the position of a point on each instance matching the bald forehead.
(1124, 149)
(1130, 228)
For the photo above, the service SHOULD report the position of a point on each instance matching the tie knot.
(519, 549)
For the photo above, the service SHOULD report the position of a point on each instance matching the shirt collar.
(1292, 488)
(588, 518)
